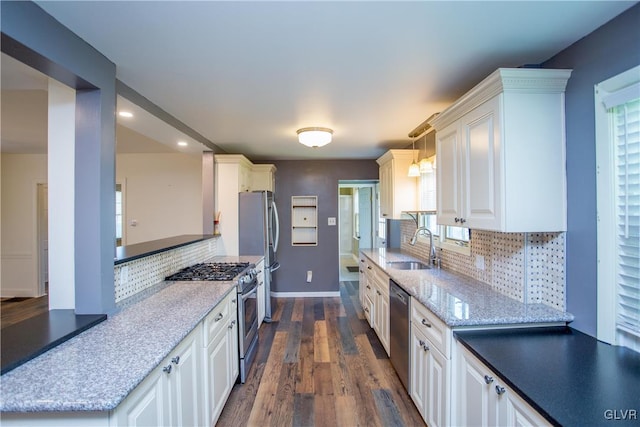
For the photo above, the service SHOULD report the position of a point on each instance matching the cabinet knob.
(218, 317)
(234, 301)
(361, 271)
(384, 214)
(500, 390)
(167, 369)
(369, 267)
(368, 287)
(378, 292)
(175, 360)
(488, 379)
(425, 323)
(366, 309)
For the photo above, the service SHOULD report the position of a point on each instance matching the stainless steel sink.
(408, 265)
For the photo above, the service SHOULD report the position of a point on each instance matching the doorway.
(358, 213)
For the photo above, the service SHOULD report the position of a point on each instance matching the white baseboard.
(305, 294)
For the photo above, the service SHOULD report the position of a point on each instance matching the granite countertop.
(98, 368)
(460, 301)
(570, 378)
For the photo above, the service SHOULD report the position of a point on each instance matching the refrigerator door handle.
(277, 226)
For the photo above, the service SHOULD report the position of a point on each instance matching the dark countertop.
(152, 247)
(571, 378)
(30, 338)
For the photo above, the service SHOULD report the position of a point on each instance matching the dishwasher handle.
(399, 293)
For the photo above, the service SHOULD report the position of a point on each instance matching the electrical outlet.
(331, 221)
(479, 262)
(309, 276)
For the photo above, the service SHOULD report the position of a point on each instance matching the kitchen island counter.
(97, 369)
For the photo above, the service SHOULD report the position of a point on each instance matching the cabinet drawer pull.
(369, 267)
(462, 220)
(175, 360)
(488, 379)
(218, 317)
(167, 369)
(500, 390)
(456, 219)
(366, 309)
(425, 323)
(368, 287)
(378, 292)
(232, 324)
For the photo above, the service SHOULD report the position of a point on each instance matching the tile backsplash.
(528, 267)
(135, 276)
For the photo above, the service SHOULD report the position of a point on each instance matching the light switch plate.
(331, 220)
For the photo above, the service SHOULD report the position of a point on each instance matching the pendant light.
(425, 165)
(414, 169)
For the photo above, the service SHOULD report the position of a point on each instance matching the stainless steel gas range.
(246, 277)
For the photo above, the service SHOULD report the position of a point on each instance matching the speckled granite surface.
(97, 369)
(461, 301)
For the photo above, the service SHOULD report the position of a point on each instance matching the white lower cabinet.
(170, 394)
(220, 356)
(375, 294)
(482, 398)
(429, 381)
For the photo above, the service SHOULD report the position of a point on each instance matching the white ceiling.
(246, 75)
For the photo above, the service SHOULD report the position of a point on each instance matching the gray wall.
(35, 38)
(313, 178)
(610, 50)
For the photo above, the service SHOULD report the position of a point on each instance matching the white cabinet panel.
(501, 154)
(398, 191)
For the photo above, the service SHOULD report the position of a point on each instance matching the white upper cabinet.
(398, 192)
(501, 153)
(263, 177)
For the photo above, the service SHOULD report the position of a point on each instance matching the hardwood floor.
(14, 310)
(320, 364)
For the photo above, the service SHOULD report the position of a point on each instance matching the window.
(618, 169)
(451, 238)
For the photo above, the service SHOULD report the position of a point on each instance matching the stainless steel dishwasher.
(399, 331)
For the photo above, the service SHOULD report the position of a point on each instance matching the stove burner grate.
(221, 271)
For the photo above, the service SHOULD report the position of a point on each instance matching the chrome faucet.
(432, 249)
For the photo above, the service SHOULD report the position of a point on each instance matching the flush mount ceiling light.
(126, 114)
(314, 136)
(182, 144)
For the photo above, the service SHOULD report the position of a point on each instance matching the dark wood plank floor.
(320, 364)
(15, 310)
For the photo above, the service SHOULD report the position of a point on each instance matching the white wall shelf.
(304, 220)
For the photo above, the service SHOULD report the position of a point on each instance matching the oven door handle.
(246, 296)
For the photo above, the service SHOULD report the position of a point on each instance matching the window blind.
(626, 134)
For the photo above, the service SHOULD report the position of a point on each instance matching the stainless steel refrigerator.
(259, 231)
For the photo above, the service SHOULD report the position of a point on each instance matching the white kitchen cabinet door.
(481, 171)
(419, 371)
(217, 386)
(483, 399)
(438, 401)
(362, 279)
(232, 336)
(381, 323)
(518, 413)
(263, 177)
(398, 191)
(148, 404)
(185, 381)
(449, 175)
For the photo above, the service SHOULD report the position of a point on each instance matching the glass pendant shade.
(425, 166)
(414, 170)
